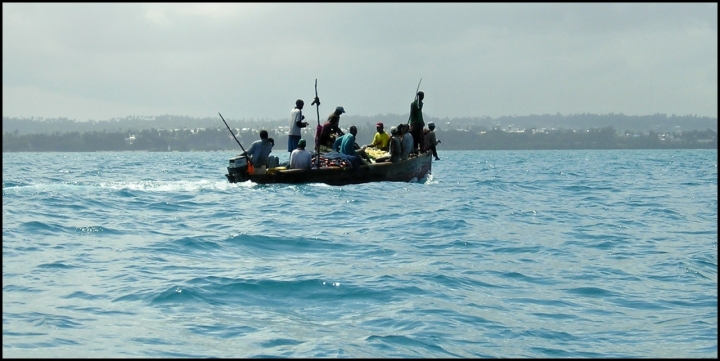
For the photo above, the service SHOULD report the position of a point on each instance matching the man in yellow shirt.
(381, 139)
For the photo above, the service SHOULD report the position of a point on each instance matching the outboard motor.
(237, 169)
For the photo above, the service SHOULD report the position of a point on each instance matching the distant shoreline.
(548, 132)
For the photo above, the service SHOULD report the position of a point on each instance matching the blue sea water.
(523, 254)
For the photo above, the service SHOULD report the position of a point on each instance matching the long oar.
(316, 102)
(416, 91)
(233, 134)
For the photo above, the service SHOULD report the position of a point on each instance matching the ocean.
(497, 254)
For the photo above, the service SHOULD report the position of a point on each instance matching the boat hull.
(404, 171)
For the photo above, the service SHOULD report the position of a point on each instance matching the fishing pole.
(318, 130)
(233, 134)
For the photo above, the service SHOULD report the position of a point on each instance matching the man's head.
(394, 130)
(379, 126)
(302, 143)
(339, 110)
(272, 142)
(353, 130)
(421, 95)
(299, 103)
(263, 134)
(431, 125)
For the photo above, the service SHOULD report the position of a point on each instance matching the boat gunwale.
(366, 173)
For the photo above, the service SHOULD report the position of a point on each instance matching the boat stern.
(237, 169)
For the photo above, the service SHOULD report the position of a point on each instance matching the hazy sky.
(252, 60)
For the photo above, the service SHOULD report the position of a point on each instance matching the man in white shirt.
(300, 158)
(296, 124)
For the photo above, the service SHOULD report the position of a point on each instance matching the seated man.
(300, 158)
(346, 145)
(260, 150)
(381, 139)
(272, 161)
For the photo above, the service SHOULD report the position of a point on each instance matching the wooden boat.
(404, 171)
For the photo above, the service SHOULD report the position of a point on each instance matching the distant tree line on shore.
(660, 123)
(212, 139)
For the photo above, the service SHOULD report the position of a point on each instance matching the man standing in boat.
(395, 145)
(408, 142)
(431, 140)
(296, 124)
(416, 122)
(331, 130)
(336, 114)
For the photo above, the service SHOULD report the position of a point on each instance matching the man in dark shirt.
(416, 122)
(331, 130)
(335, 115)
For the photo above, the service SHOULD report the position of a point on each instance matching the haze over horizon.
(101, 61)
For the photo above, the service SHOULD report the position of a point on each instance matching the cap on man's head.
(302, 143)
(393, 130)
(379, 124)
(299, 102)
(340, 109)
